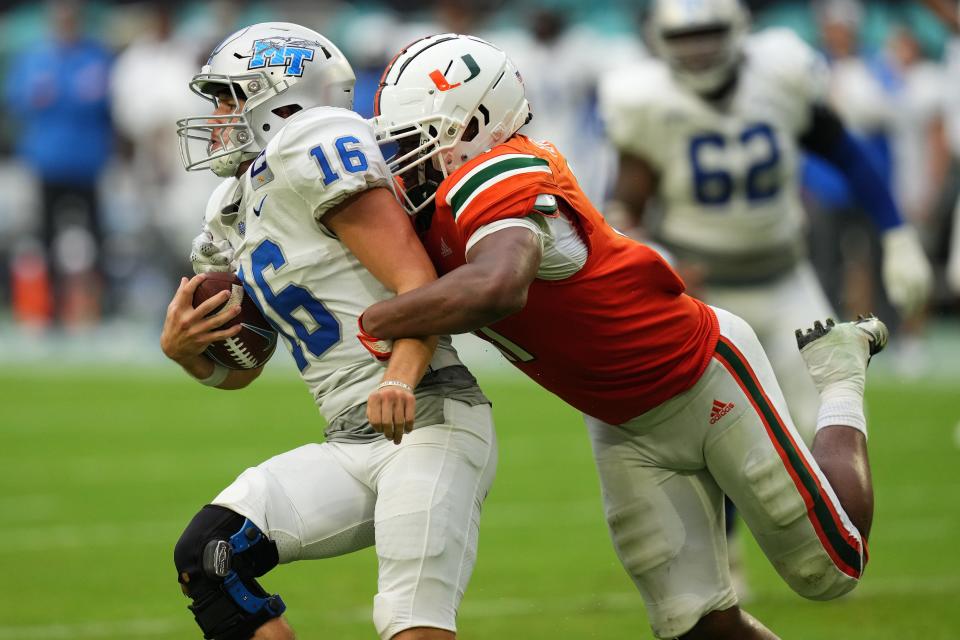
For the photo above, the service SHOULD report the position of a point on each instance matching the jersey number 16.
(351, 158)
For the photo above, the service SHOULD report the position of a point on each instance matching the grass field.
(100, 472)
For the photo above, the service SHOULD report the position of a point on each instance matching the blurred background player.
(680, 402)
(306, 216)
(709, 135)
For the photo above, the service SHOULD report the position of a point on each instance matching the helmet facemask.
(702, 42)
(704, 58)
(417, 155)
(219, 142)
(270, 71)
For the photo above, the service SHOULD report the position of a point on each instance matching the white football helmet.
(701, 40)
(445, 99)
(263, 67)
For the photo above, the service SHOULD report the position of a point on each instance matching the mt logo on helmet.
(277, 52)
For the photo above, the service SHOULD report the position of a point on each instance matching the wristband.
(395, 383)
(378, 348)
(219, 374)
(842, 408)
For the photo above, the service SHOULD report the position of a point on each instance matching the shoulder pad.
(631, 98)
(325, 154)
(634, 86)
(782, 56)
(317, 122)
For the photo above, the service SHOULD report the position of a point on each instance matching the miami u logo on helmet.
(440, 80)
(280, 53)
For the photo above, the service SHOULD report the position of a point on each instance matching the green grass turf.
(100, 472)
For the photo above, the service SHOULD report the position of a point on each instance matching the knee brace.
(218, 558)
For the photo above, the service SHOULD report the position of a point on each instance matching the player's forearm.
(868, 185)
(198, 366)
(829, 138)
(939, 162)
(462, 301)
(491, 286)
(636, 184)
(410, 359)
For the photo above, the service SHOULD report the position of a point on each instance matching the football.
(255, 343)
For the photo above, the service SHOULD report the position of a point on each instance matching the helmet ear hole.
(286, 110)
(473, 128)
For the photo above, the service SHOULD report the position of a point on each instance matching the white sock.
(842, 405)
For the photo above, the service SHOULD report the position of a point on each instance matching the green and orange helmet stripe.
(403, 65)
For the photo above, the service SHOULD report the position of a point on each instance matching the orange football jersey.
(615, 339)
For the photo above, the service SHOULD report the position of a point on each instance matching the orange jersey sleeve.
(503, 183)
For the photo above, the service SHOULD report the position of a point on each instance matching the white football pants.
(418, 502)
(663, 477)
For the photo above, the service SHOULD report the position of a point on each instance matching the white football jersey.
(728, 175)
(306, 282)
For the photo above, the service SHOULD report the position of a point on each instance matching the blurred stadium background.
(106, 449)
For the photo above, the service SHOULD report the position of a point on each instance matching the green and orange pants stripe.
(843, 546)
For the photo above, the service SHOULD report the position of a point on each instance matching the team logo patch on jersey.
(260, 173)
(719, 410)
(440, 79)
(289, 53)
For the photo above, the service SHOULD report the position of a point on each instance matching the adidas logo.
(445, 249)
(719, 410)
